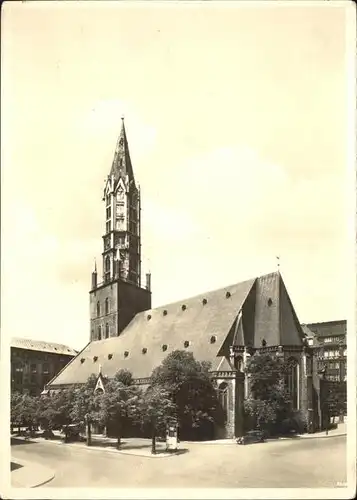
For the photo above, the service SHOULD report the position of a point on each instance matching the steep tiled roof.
(39, 345)
(203, 321)
(205, 325)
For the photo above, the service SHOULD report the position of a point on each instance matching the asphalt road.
(308, 463)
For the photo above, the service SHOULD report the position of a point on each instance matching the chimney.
(148, 281)
(94, 277)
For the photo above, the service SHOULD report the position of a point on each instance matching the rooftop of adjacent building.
(42, 346)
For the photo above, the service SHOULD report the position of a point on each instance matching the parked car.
(71, 432)
(252, 437)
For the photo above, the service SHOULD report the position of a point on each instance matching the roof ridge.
(202, 294)
(36, 341)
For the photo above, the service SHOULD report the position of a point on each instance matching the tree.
(24, 410)
(54, 410)
(188, 383)
(120, 402)
(157, 409)
(85, 407)
(269, 401)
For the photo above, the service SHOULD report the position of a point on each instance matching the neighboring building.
(224, 327)
(34, 363)
(330, 345)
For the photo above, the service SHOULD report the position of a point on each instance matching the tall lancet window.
(98, 308)
(99, 332)
(292, 382)
(107, 268)
(223, 397)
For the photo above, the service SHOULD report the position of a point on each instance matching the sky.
(237, 120)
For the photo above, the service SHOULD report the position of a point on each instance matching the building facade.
(35, 363)
(116, 299)
(224, 327)
(329, 341)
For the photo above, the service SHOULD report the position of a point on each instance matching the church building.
(224, 326)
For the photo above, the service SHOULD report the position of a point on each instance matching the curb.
(30, 469)
(101, 448)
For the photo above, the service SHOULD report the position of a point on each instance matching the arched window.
(98, 308)
(238, 363)
(107, 264)
(292, 382)
(223, 397)
(106, 331)
(107, 306)
(99, 332)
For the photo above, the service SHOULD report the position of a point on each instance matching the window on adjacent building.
(327, 340)
(326, 354)
(33, 368)
(46, 368)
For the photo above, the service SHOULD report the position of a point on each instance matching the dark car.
(71, 432)
(252, 437)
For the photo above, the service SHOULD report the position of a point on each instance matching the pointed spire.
(122, 163)
(95, 265)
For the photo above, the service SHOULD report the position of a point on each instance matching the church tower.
(119, 296)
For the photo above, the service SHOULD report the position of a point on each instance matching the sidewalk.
(129, 446)
(341, 430)
(29, 475)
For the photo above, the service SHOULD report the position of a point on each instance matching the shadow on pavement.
(21, 440)
(15, 466)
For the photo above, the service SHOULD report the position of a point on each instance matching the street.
(319, 462)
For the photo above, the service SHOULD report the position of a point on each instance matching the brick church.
(224, 326)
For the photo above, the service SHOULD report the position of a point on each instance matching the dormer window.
(164, 347)
(213, 339)
(270, 302)
(164, 312)
(95, 358)
(126, 354)
(82, 360)
(148, 317)
(204, 302)
(183, 307)
(144, 350)
(110, 356)
(228, 294)
(186, 343)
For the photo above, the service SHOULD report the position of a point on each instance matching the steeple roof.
(121, 165)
